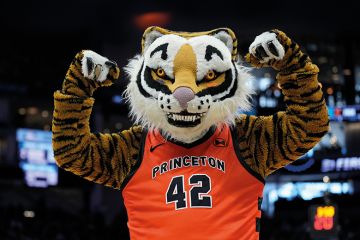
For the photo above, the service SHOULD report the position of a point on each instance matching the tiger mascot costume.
(191, 167)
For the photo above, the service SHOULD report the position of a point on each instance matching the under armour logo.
(220, 142)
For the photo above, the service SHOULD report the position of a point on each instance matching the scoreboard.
(323, 221)
(36, 157)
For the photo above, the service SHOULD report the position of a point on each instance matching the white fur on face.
(216, 63)
(152, 111)
(155, 61)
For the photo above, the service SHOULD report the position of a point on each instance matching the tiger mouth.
(184, 119)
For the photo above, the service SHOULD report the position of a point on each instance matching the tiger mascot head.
(185, 83)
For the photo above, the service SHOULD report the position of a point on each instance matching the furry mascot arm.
(101, 158)
(271, 142)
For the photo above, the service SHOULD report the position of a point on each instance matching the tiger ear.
(227, 36)
(149, 36)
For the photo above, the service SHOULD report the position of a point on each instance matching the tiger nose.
(183, 95)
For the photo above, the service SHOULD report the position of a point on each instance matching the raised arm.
(271, 142)
(101, 158)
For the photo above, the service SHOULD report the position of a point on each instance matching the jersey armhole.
(236, 147)
(136, 166)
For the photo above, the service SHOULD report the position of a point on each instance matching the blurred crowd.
(290, 222)
(291, 219)
(55, 224)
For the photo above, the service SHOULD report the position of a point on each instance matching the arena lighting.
(45, 114)
(22, 111)
(347, 72)
(330, 91)
(264, 83)
(326, 179)
(334, 69)
(29, 214)
(117, 99)
(32, 110)
(145, 20)
(306, 190)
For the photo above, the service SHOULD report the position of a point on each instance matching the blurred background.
(317, 197)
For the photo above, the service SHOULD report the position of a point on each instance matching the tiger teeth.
(186, 118)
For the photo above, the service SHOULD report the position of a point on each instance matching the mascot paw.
(97, 67)
(267, 47)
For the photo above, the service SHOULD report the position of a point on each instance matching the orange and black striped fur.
(266, 143)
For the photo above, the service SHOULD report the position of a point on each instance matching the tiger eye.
(160, 72)
(210, 75)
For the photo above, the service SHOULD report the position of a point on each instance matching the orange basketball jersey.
(198, 191)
